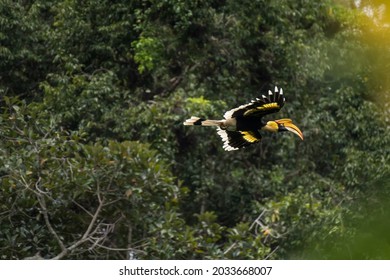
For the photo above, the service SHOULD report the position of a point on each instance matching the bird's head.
(283, 125)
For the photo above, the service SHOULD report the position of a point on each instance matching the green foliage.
(95, 161)
(24, 61)
(127, 184)
(146, 53)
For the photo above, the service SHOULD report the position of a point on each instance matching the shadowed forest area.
(95, 162)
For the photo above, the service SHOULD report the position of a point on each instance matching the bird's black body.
(249, 123)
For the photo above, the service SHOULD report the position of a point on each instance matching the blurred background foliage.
(95, 162)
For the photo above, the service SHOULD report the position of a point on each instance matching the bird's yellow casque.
(241, 126)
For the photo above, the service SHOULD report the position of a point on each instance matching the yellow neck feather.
(271, 126)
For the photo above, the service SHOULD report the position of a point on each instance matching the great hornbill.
(241, 125)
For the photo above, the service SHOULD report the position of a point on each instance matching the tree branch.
(87, 234)
(42, 203)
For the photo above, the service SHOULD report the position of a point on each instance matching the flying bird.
(241, 126)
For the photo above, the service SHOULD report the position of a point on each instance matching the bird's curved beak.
(287, 124)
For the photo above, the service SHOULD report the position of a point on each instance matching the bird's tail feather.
(203, 122)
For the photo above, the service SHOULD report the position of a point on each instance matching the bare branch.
(230, 248)
(129, 236)
(271, 253)
(42, 203)
(257, 223)
(82, 207)
(87, 234)
(93, 220)
(121, 249)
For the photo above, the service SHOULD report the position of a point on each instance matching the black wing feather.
(260, 106)
(233, 140)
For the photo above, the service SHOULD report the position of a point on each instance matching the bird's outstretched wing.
(234, 140)
(261, 106)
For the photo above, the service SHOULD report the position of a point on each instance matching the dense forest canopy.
(95, 161)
